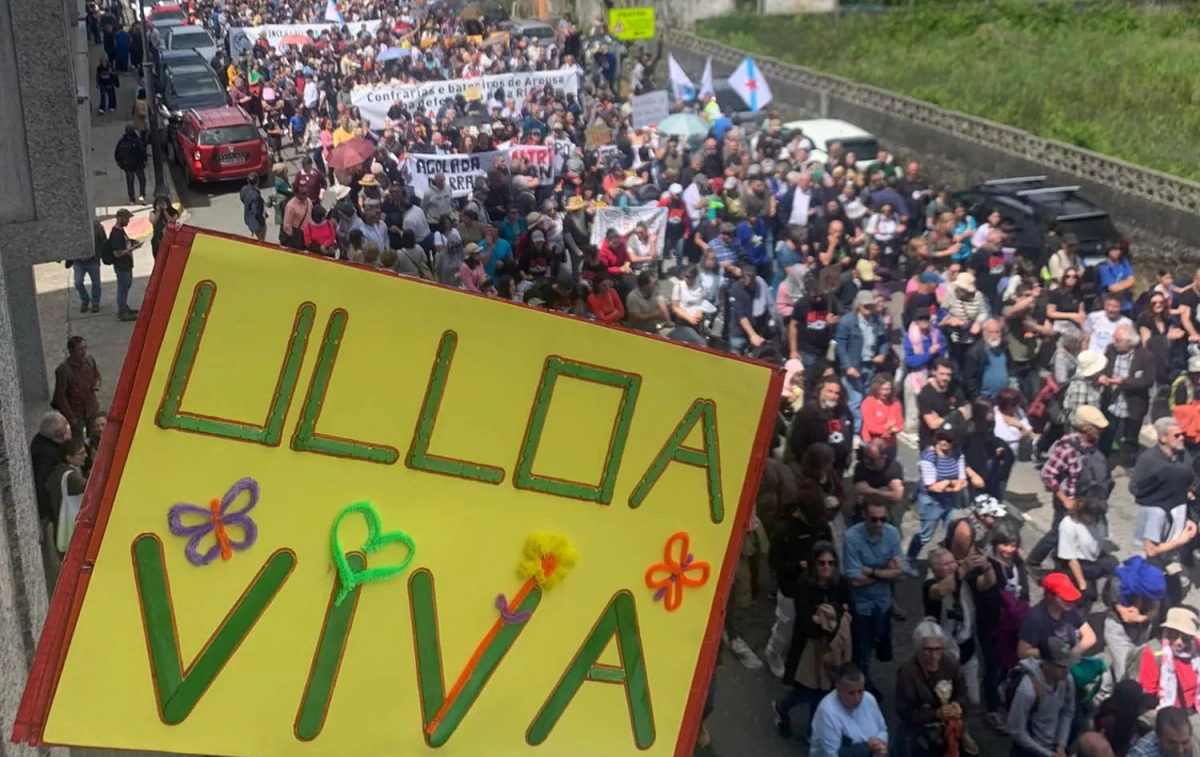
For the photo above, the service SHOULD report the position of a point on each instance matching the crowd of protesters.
(897, 317)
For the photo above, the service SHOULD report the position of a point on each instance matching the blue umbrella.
(684, 125)
(394, 52)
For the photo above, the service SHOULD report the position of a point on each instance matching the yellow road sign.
(339, 511)
(631, 23)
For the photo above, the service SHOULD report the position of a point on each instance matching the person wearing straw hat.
(1169, 667)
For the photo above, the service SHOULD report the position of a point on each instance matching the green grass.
(1106, 77)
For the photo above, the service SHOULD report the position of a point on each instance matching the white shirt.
(691, 196)
(312, 95)
(799, 216)
(1152, 526)
(689, 299)
(832, 721)
(1078, 541)
(1009, 434)
(1101, 329)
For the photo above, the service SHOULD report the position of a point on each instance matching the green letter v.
(177, 690)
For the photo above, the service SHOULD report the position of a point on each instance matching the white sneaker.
(774, 664)
(745, 654)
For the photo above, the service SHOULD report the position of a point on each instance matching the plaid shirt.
(1062, 469)
(1121, 367)
(1081, 391)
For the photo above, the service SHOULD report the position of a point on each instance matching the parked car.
(162, 17)
(189, 38)
(824, 131)
(220, 144)
(182, 88)
(180, 60)
(1032, 203)
(537, 32)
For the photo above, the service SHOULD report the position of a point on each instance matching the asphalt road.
(742, 723)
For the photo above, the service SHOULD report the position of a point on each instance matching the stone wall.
(1151, 199)
(674, 13)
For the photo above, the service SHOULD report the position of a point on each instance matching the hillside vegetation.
(1105, 77)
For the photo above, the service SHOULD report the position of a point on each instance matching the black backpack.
(1008, 688)
(102, 245)
(1094, 479)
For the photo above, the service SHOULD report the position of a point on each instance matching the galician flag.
(749, 82)
(332, 13)
(706, 85)
(681, 86)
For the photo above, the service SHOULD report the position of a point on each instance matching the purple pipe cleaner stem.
(510, 617)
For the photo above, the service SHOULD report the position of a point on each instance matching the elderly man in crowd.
(848, 722)
(1128, 378)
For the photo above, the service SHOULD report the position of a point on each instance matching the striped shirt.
(935, 467)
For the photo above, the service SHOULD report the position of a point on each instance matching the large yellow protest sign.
(343, 512)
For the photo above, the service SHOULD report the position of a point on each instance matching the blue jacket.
(849, 338)
(919, 362)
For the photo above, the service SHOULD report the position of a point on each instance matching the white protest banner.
(625, 219)
(242, 38)
(461, 170)
(374, 102)
(650, 108)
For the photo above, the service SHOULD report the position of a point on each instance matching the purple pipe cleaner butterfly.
(217, 518)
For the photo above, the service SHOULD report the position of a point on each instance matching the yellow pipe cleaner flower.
(546, 559)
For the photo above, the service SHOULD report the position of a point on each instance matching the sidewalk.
(58, 303)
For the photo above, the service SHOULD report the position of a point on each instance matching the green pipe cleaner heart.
(377, 539)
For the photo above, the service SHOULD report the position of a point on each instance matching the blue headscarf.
(1140, 579)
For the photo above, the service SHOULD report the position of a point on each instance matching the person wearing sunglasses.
(931, 695)
(872, 561)
(820, 638)
(1160, 485)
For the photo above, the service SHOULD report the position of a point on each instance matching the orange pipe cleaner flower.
(677, 570)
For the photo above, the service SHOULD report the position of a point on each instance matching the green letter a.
(178, 692)
(620, 617)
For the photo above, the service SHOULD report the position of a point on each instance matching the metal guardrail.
(1160, 188)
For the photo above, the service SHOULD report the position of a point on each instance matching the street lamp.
(148, 60)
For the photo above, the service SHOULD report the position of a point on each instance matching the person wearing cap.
(122, 262)
(1168, 667)
(1075, 467)
(965, 311)
(535, 258)
(939, 491)
(858, 278)
(969, 529)
(1174, 735)
(1043, 703)
(861, 346)
(1056, 617)
(678, 227)
(1161, 485)
(1133, 596)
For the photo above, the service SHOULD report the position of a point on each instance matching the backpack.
(104, 249)
(1094, 479)
(1008, 688)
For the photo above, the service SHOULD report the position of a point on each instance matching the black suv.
(1033, 204)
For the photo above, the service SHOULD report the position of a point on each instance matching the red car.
(162, 16)
(220, 144)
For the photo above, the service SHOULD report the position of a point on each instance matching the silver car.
(190, 38)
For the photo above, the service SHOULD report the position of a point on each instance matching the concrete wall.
(1151, 199)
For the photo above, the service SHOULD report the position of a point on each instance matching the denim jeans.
(108, 98)
(856, 390)
(124, 284)
(91, 270)
(931, 512)
(872, 634)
